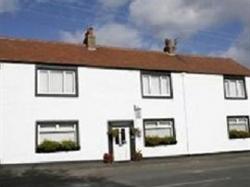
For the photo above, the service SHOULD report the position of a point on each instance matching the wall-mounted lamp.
(137, 111)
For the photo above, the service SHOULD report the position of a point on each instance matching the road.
(227, 170)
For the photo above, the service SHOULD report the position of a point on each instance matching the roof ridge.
(38, 40)
(204, 56)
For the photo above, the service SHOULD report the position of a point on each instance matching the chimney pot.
(90, 39)
(170, 46)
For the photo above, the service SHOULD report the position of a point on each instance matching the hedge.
(234, 134)
(152, 141)
(48, 146)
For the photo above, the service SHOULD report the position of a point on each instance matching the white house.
(113, 100)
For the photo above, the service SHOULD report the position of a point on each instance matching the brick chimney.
(90, 39)
(170, 46)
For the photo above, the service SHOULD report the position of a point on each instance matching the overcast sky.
(204, 27)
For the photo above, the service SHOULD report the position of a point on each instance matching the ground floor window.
(238, 127)
(159, 132)
(53, 136)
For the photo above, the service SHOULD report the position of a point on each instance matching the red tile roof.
(30, 51)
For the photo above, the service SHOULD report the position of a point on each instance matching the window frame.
(228, 129)
(156, 73)
(229, 77)
(55, 122)
(158, 119)
(56, 68)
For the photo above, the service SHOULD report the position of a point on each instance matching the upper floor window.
(235, 88)
(156, 84)
(56, 81)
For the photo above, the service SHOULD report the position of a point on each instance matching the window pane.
(239, 124)
(123, 136)
(159, 132)
(239, 127)
(66, 127)
(155, 85)
(57, 132)
(227, 88)
(145, 82)
(47, 127)
(151, 124)
(56, 82)
(69, 82)
(161, 128)
(232, 121)
(57, 136)
(233, 88)
(240, 88)
(165, 86)
(43, 86)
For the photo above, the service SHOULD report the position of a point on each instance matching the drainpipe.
(185, 109)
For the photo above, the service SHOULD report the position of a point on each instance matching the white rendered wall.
(207, 112)
(1, 113)
(199, 112)
(167, 108)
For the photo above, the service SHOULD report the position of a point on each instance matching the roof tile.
(30, 51)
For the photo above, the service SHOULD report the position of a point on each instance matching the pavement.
(225, 170)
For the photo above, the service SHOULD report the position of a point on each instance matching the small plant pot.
(137, 156)
(108, 158)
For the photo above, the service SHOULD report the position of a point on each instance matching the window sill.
(157, 97)
(159, 146)
(59, 151)
(56, 95)
(239, 138)
(236, 98)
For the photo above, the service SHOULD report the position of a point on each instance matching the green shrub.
(48, 146)
(234, 134)
(152, 141)
(169, 140)
(69, 145)
(113, 132)
(135, 132)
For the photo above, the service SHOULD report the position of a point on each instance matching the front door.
(121, 144)
(121, 141)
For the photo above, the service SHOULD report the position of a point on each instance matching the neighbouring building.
(68, 102)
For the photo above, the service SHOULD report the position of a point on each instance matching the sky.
(202, 27)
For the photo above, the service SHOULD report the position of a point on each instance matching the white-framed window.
(235, 88)
(156, 84)
(159, 132)
(57, 131)
(59, 82)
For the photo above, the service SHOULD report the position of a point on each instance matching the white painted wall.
(1, 113)
(207, 111)
(199, 111)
